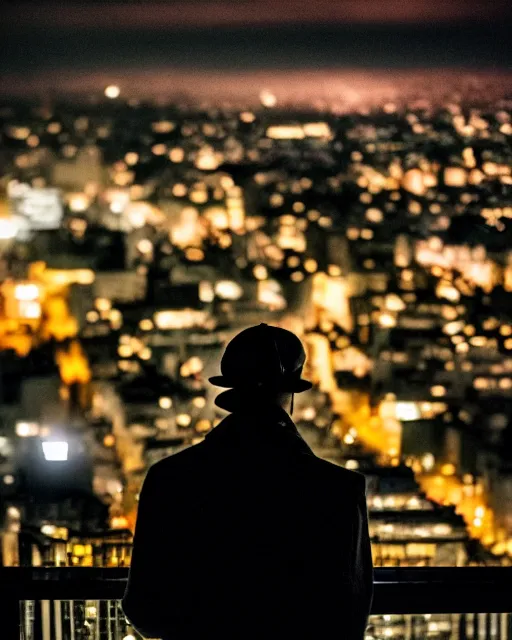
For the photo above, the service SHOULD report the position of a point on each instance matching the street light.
(55, 450)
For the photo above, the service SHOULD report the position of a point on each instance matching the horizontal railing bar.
(397, 590)
(24, 575)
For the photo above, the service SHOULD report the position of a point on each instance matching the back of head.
(260, 365)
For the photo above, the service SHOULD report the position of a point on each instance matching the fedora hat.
(264, 357)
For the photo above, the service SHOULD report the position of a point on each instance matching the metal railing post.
(11, 618)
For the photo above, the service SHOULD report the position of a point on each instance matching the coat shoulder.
(185, 459)
(347, 478)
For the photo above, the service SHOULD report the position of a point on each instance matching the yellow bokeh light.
(112, 91)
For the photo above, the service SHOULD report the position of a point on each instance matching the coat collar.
(269, 428)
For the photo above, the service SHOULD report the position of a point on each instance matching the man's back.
(250, 534)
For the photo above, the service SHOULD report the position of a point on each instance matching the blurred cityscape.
(136, 239)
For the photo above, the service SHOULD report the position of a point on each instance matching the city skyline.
(176, 171)
(137, 238)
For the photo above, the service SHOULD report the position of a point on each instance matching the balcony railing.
(409, 603)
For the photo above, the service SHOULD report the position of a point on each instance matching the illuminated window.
(146, 324)
(199, 402)
(176, 155)
(180, 319)
(448, 469)
(260, 272)
(228, 290)
(183, 420)
(165, 403)
(310, 265)
(428, 462)
(159, 149)
(247, 117)
(407, 411)
(194, 254)
(387, 320)
(27, 429)
(374, 215)
(125, 351)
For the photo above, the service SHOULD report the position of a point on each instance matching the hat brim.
(228, 400)
(290, 386)
(221, 381)
(233, 400)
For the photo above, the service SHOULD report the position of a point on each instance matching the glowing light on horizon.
(268, 99)
(112, 91)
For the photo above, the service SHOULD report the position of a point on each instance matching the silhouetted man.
(248, 534)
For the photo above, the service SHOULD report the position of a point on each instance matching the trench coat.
(248, 534)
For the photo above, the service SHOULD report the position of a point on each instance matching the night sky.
(214, 48)
(276, 34)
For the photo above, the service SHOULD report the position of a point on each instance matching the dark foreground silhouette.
(250, 535)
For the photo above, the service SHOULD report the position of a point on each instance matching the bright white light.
(206, 293)
(26, 292)
(79, 202)
(309, 414)
(394, 302)
(451, 328)
(428, 461)
(269, 293)
(40, 207)
(413, 503)
(116, 207)
(377, 502)
(285, 132)
(145, 246)
(112, 91)
(180, 319)
(387, 320)
(13, 512)
(165, 402)
(207, 159)
(406, 411)
(48, 529)
(442, 530)
(8, 228)
(479, 512)
(136, 214)
(9, 479)
(27, 429)
(183, 420)
(55, 450)
(31, 310)
(228, 290)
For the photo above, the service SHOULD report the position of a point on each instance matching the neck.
(262, 408)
